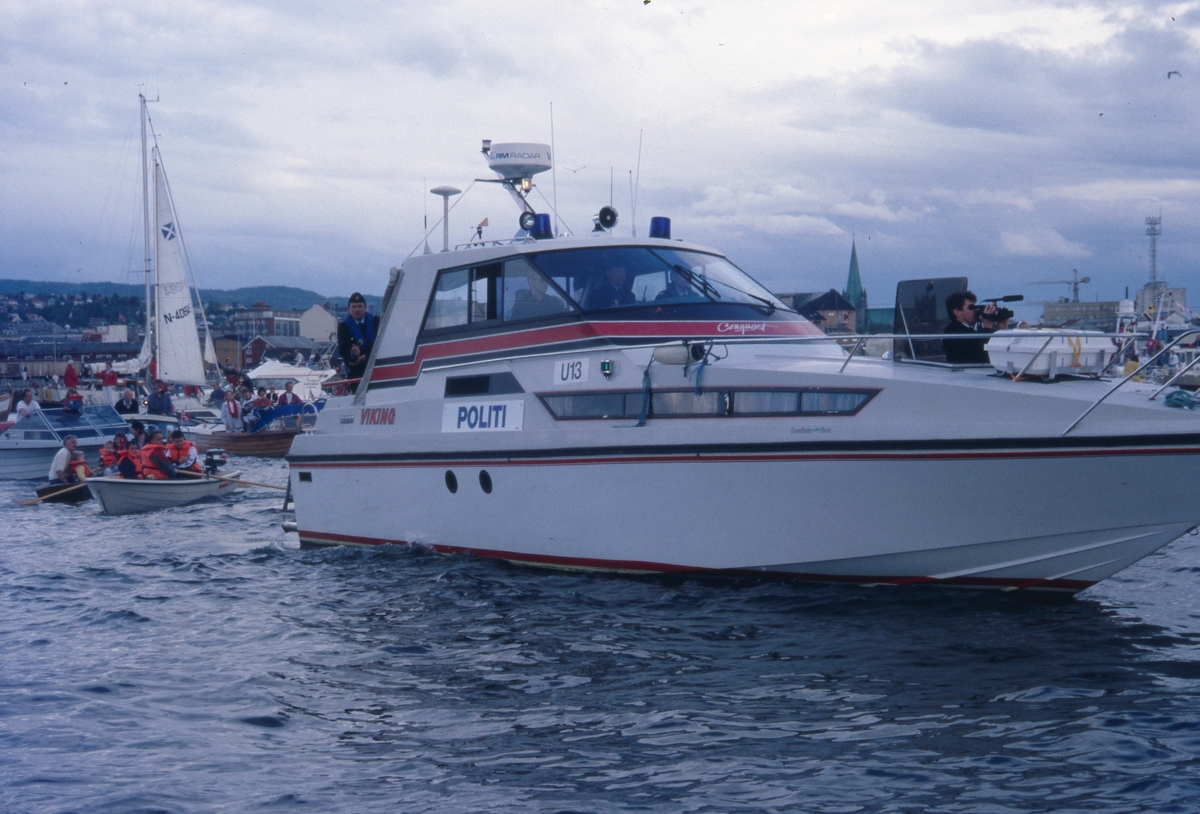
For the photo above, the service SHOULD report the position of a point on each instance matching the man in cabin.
(108, 381)
(356, 336)
(127, 405)
(60, 469)
(536, 301)
(159, 402)
(612, 291)
(968, 318)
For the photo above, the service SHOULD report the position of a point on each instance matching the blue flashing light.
(541, 227)
(660, 227)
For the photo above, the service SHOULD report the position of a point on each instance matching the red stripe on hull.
(531, 340)
(700, 457)
(641, 567)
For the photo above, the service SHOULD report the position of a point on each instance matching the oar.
(36, 500)
(231, 480)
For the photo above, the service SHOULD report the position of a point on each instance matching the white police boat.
(641, 405)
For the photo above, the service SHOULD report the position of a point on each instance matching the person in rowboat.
(60, 469)
(80, 471)
(156, 463)
(182, 453)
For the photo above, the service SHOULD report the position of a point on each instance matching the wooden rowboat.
(264, 444)
(71, 493)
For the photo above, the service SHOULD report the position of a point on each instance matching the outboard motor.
(214, 459)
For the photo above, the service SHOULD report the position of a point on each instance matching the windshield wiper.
(708, 288)
(699, 282)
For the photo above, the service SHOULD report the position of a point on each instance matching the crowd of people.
(141, 454)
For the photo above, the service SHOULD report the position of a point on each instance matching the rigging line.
(439, 220)
(555, 211)
(554, 173)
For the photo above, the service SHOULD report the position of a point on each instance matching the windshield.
(604, 278)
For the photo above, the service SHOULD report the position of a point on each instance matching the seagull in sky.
(1174, 73)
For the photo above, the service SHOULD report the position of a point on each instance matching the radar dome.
(516, 160)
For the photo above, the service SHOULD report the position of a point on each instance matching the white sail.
(132, 366)
(179, 354)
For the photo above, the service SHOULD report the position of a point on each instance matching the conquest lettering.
(741, 327)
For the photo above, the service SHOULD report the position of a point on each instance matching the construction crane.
(1074, 282)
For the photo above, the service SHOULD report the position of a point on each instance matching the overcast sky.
(1007, 141)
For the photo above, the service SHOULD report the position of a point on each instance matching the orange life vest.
(108, 458)
(82, 470)
(133, 456)
(180, 454)
(150, 470)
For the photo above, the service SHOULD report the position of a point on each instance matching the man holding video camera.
(968, 318)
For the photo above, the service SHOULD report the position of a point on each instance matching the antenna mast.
(145, 116)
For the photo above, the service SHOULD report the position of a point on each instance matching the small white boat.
(120, 496)
(28, 447)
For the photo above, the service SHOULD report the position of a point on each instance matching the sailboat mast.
(146, 222)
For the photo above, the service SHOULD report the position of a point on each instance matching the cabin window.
(449, 306)
(529, 295)
(832, 402)
(708, 403)
(590, 405)
(686, 402)
(766, 402)
(465, 296)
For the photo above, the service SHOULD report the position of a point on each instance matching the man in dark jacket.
(159, 402)
(128, 403)
(967, 318)
(356, 336)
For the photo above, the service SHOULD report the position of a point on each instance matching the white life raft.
(1050, 354)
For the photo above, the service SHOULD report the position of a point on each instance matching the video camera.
(1001, 313)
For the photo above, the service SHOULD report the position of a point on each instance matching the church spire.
(854, 289)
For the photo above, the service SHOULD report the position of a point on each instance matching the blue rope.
(645, 396)
(700, 373)
(1182, 399)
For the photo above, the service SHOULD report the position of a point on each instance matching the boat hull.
(119, 496)
(1069, 519)
(265, 444)
(31, 460)
(71, 493)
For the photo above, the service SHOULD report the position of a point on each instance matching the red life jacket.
(150, 470)
(133, 456)
(108, 458)
(82, 470)
(180, 454)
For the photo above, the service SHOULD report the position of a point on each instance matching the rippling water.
(195, 660)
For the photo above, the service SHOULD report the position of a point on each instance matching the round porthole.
(451, 482)
(485, 481)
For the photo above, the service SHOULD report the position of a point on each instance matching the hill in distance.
(283, 297)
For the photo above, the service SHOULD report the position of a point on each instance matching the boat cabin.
(529, 296)
(96, 421)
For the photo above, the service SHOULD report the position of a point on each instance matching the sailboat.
(172, 349)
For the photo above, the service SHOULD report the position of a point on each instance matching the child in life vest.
(108, 458)
(78, 467)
